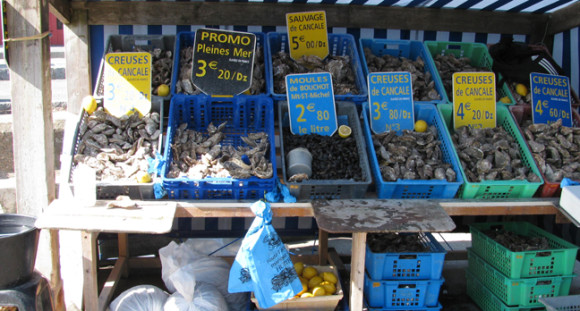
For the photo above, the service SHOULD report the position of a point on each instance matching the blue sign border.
(307, 95)
(404, 103)
(553, 101)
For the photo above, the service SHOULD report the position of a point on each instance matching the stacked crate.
(501, 279)
(405, 280)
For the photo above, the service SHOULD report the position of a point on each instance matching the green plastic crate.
(521, 292)
(486, 300)
(479, 55)
(558, 260)
(496, 189)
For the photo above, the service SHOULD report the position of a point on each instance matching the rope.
(35, 37)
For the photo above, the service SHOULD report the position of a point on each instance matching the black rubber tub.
(18, 244)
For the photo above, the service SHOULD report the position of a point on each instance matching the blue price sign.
(311, 104)
(391, 101)
(550, 98)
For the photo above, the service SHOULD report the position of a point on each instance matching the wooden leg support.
(322, 247)
(357, 270)
(90, 287)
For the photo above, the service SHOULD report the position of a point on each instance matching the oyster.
(490, 154)
(117, 148)
(340, 67)
(555, 149)
(198, 155)
(412, 155)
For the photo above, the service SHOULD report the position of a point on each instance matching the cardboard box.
(319, 303)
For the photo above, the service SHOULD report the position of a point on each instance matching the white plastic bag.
(206, 297)
(140, 298)
(180, 264)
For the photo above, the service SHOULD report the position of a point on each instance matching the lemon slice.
(344, 131)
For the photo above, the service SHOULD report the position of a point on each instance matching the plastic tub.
(497, 189)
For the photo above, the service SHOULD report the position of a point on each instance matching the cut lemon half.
(344, 131)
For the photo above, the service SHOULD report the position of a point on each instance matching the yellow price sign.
(307, 34)
(127, 83)
(474, 99)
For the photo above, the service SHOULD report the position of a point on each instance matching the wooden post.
(90, 286)
(28, 57)
(357, 270)
(76, 43)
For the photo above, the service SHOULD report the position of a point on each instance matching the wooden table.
(358, 217)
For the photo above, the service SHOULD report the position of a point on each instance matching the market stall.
(90, 24)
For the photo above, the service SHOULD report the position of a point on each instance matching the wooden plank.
(61, 10)
(123, 245)
(322, 247)
(501, 207)
(273, 14)
(238, 209)
(147, 217)
(90, 286)
(112, 282)
(76, 44)
(564, 19)
(357, 270)
(345, 216)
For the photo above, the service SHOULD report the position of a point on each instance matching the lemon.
(505, 100)
(521, 89)
(299, 266)
(306, 295)
(304, 288)
(314, 281)
(143, 177)
(330, 277)
(344, 131)
(89, 104)
(309, 272)
(329, 288)
(318, 291)
(162, 90)
(420, 126)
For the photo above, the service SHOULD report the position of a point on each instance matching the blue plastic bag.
(262, 264)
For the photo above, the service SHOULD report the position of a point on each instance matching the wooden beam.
(531, 207)
(357, 270)
(76, 44)
(564, 19)
(112, 282)
(274, 14)
(90, 286)
(61, 9)
(28, 57)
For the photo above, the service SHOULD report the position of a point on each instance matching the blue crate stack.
(405, 281)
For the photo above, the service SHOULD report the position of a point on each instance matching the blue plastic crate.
(245, 114)
(417, 189)
(338, 45)
(408, 265)
(409, 49)
(330, 189)
(187, 39)
(402, 294)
